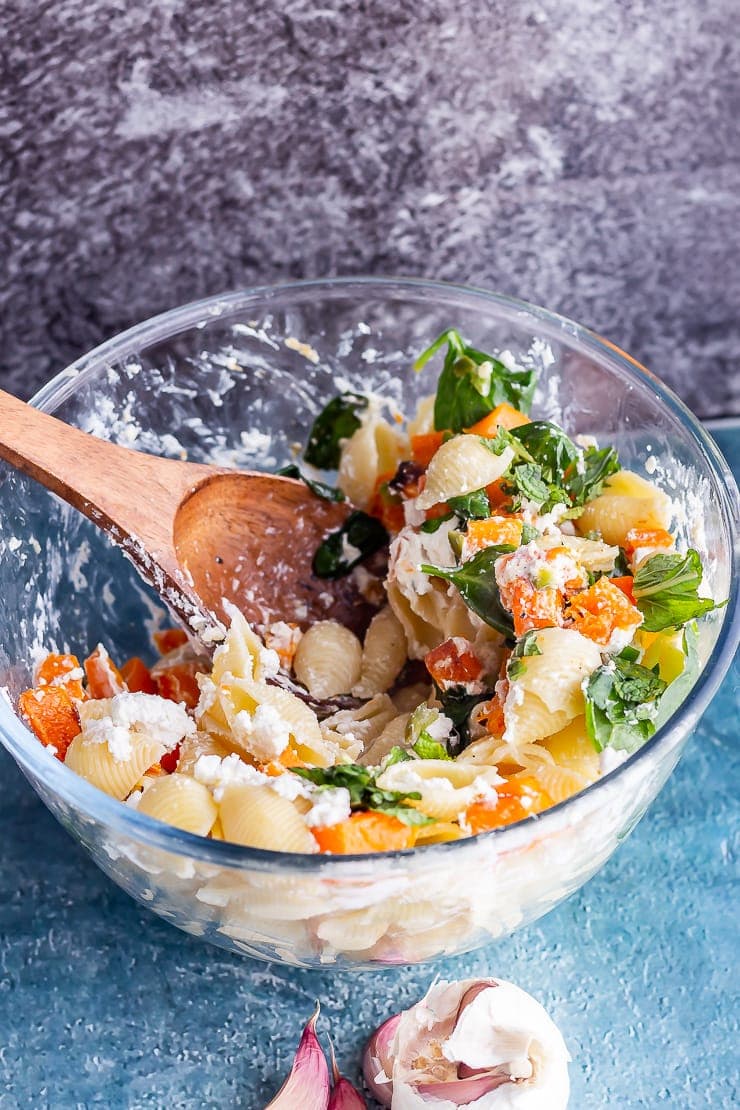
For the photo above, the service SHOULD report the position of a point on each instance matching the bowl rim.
(124, 820)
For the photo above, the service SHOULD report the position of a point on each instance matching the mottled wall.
(583, 154)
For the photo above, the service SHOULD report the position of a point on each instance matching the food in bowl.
(534, 624)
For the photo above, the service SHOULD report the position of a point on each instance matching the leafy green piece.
(360, 535)
(525, 647)
(458, 704)
(337, 421)
(364, 792)
(472, 383)
(529, 533)
(320, 489)
(586, 481)
(471, 506)
(476, 582)
(426, 748)
(666, 588)
(435, 523)
(548, 445)
(680, 686)
(622, 705)
(395, 755)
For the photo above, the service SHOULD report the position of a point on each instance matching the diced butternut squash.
(641, 542)
(628, 501)
(498, 498)
(62, 670)
(138, 677)
(491, 532)
(503, 416)
(601, 610)
(169, 639)
(50, 712)
(365, 832)
(625, 584)
(453, 663)
(531, 608)
(178, 683)
(425, 446)
(516, 799)
(386, 505)
(104, 680)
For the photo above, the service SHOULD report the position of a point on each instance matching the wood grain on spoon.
(198, 534)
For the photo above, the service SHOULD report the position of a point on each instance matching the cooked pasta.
(328, 660)
(533, 613)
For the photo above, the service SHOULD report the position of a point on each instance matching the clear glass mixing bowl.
(228, 380)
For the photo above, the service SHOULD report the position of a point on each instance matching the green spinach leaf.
(337, 421)
(364, 792)
(360, 535)
(476, 582)
(326, 493)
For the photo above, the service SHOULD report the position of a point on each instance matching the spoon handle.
(122, 491)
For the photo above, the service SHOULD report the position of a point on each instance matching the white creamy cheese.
(330, 806)
(112, 721)
(217, 773)
(264, 734)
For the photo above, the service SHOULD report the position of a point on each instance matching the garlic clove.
(343, 1095)
(477, 1043)
(377, 1061)
(308, 1082)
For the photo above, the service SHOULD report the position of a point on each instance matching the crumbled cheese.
(440, 729)
(113, 721)
(330, 806)
(13, 543)
(586, 441)
(264, 734)
(651, 464)
(218, 773)
(350, 553)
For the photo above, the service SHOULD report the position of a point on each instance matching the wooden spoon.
(198, 534)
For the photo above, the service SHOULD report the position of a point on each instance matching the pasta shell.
(628, 501)
(94, 762)
(258, 817)
(374, 449)
(180, 801)
(328, 659)
(461, 465)
(383, 654)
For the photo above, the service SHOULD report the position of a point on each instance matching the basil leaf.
(665, 589)
(471, 506)
(586, 481)
(681, 685)
(364, 793)
(337, 421)
(528, 482)
(476, 582)
(622, 705)
(472, 383)
(426, 748)
(435, 523)
(320, 489)
(360, 535)
(527, 646)
(548, 446)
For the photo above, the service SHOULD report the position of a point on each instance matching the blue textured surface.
(102, 1004)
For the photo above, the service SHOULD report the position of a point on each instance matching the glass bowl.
(237, 380)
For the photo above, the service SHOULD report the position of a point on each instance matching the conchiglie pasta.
(93, 761)
(573, 749)
(393, 735)
(258, 817)
(383, 654)
(422, 422)
(365, 723)
(373, 450)
(593, 555)
(461, 465)
(203, 743)
(628, 501)
(548, 694)
(328, 659)
(180, 801)
(447, 787)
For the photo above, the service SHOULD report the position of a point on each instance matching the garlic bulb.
(484, 1044)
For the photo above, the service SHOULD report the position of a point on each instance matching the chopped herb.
(326, 493)
(525, 647)
(666, 590)
(360, 535)
(426, 748)
(529, 533)
(435, 523)
(395, 755)
(337, 421)
(622, 700)
(471, 506)
(548, 446)
(587, 481)
(621, 564)
(529, 482)
(364, 792)
(476, 582)
(472, 383)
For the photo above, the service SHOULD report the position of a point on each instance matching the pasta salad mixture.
(534, 624)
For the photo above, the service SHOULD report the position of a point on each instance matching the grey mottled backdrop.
(583, 154)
